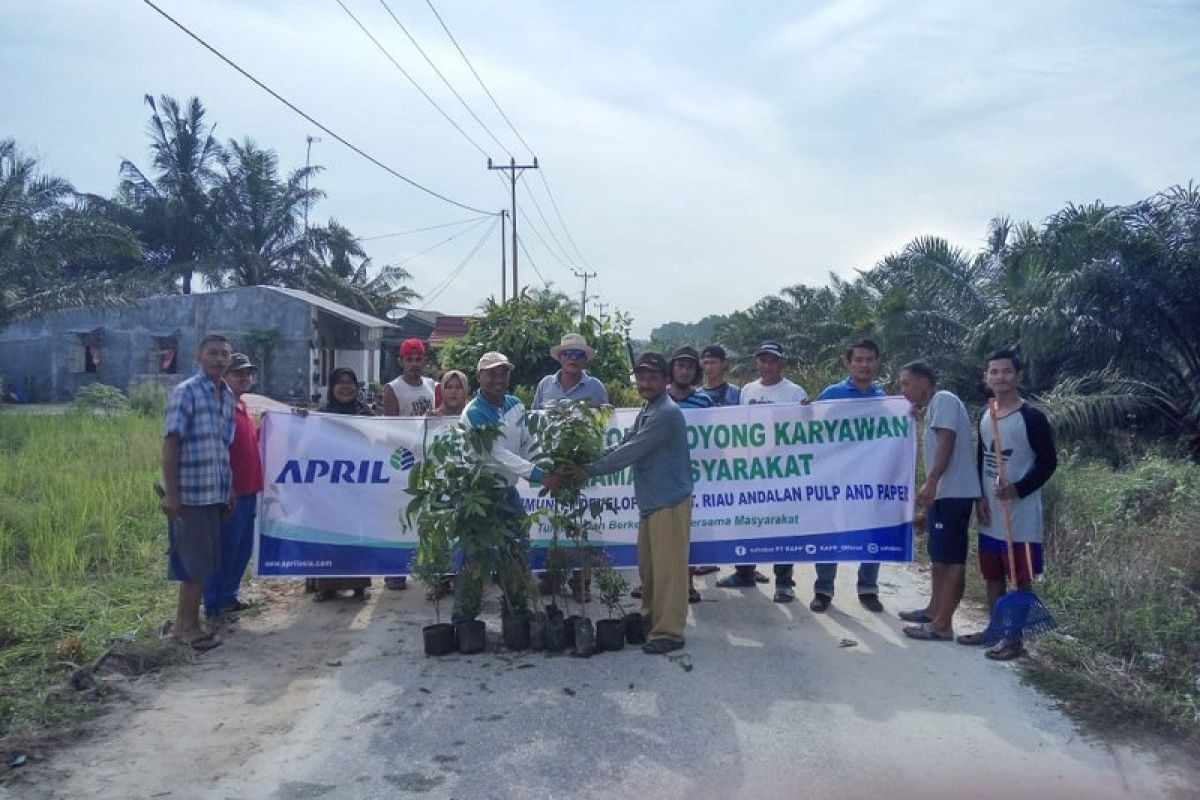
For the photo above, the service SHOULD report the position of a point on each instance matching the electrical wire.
(566, 230)
(549, 228)
(447, 240)
(449, 279)
(532, 263)
(418, 230)
(411, 79)
(325, 129)
(453, 91)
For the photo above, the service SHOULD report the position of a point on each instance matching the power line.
(417, 230)
(549, 227)
(453, 91)
(533, 264)
(411, 80)
(542, 239)
(310, 119)
(449, 279)
(483, 85)
(447, 240)
(566, 230)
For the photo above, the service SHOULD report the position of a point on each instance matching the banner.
(830, 481)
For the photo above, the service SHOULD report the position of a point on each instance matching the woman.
(342, 398)
(452, 390)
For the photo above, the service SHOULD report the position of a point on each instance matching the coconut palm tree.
(172, 207)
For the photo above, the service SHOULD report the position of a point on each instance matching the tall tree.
(173, 205)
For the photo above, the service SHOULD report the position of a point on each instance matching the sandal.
(1005, 651)
(705, 570)
(971, 639)
(693, 596)
(918, 616)
(660, 647)
(760, 578)
(926, 633)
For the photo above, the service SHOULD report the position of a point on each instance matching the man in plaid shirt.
(197, 482)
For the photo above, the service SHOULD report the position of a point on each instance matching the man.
(1030, 458)
(656, 447)
(493, 406)
(948, 494)
(197, 483)
(712, 364)
(771, 387)
(410, 394)
(571, 381)
(237, 532)
(862, 362)
(685, 377)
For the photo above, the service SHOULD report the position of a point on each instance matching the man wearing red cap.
(409, 395)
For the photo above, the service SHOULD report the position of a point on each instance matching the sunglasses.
(573, 353)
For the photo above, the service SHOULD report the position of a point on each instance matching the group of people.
(211, 475)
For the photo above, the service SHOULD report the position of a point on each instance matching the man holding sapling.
(494, 407)
(197, 483)
(656, 447)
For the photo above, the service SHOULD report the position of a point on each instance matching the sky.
(703, 154)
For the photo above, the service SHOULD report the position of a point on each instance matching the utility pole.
(601, 305)
(503, 266)
(514, 171)
(584, 297)
(308, 143)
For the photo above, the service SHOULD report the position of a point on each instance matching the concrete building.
(297, 339)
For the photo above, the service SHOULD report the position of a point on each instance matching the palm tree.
(173, 208)
(339, 268)
(55, 250)
(259, 219)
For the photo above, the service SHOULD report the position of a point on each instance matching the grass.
(81, 544)
(1123, 579)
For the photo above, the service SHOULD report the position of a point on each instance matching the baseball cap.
(239, 361)
(770, 348)
(411, 347)
(713, 351)
(685, 352)
(491, 360)
(653, 361)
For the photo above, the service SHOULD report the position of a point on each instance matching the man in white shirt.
(771, 387)
(409, 395)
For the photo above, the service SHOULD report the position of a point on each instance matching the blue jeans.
(237, 542)
(868, 578)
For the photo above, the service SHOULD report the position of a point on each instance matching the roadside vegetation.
(81, 544)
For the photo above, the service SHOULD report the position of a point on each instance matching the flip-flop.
(918, 616)
(760, 578)
(971, 639)
(1005, 652)
(926, 633)
(204, 644)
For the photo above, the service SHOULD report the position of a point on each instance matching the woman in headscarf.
(453, 390)
(342, 398)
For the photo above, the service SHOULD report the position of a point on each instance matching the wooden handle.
(998, 453)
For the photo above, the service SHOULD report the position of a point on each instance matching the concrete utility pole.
(514, 171)
(503, 266)
(584, 297)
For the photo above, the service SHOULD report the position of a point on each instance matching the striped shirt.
(204, 422)
(694, 400)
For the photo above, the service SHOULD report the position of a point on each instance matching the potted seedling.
(610, 633)
(430, 566)
(570, 434)
(457, 497)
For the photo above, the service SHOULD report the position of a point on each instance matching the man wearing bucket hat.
(493, 406)
(571, 381)
(656, 447)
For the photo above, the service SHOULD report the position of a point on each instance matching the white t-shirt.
(783, 392)
(961, 478)
(415, 401)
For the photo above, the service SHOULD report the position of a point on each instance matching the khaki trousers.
(663, 539)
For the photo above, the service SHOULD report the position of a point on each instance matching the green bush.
(101, 397)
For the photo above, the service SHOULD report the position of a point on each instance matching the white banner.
(830, 481)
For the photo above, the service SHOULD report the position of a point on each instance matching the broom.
(1019, 612)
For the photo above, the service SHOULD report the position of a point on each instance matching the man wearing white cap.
(493, 406)
(571, 381)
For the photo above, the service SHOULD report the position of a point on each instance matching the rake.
(1020, 612)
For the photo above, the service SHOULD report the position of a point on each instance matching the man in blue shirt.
(571, 381)
(862, 362)
(712, 364)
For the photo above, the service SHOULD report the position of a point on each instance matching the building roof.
(448, 326)
(337, 309)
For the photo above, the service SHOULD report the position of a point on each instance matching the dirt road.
(767, 701)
